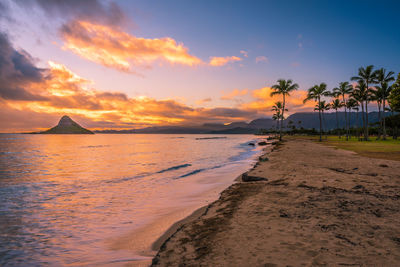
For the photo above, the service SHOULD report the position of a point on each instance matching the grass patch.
(388, 149)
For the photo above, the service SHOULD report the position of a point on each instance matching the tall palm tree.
(315, 93)
(351, 104)
(368, 76)
(361, 95)
(344, 89)
(355, 107)
(323, 106)
(337, 104)
(277, 115)
(377, 95)
(384, 78)
(283, 87)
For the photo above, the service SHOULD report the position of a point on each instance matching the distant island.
(66, 126)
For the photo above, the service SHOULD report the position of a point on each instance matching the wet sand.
(318, 206)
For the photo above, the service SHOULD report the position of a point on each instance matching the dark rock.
(383, 165)
(262, 143)
(251, 144)
(263, 159)
(251, 178)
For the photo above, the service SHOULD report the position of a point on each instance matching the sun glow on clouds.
(114, 48)
(221, 61)
(64, 92)
(264, 101)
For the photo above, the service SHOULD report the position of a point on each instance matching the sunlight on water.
(77, 199)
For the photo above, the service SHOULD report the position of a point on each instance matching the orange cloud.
(221, 61)
(263, 101)
(233, 94)
(114, 48)
(64, 92)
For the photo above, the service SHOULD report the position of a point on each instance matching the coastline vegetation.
(368, 86)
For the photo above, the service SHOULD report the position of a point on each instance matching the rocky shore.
(304, 204)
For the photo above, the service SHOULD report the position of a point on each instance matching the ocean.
(86, 200)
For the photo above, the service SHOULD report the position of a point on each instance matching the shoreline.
(175, 227)
(335, 210)
(198, 213)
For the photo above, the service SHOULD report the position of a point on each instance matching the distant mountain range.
(307, 120)
(67, 126)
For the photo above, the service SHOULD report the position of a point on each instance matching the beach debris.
(263, 159)
(262, 143)
(251, 178)
(383, 165)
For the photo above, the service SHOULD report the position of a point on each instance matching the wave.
(207, 138)
(175, 168)
(198, 170)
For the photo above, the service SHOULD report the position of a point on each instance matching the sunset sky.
(132, 64)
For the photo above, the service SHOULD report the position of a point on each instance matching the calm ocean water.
(91, 199)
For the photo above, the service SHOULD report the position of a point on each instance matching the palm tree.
(383, 78)
(344, 89)
(355, 107)
(368, 76)
(361, 95)
(377, 95)
(315, 93)
(283, 87)
(323, 106)
(277, 115)
(336, 104)
(351, 104)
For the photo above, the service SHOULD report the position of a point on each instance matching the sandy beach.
(318, 206)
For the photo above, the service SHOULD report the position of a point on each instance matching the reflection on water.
(63, 197)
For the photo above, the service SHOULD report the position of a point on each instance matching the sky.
(133, 64)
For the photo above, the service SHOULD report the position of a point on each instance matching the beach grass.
(381, 149)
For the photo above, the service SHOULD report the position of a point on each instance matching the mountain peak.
(66, 121)
(67, 126)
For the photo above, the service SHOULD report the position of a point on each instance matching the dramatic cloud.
(91, 10)
(114, 48)
(17, 71)
(263, 101)
(233, 94)
(221, 61)
(260, 59)
(64, 92)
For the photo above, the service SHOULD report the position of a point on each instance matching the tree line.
(369, 85)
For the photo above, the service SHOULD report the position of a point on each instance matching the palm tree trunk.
(324, 123)
(345, 118)
(349, 123)
(363, 116)
(383, 119)
(358, 135)
(380, 121)
(320, 120)
(366, 121)
(337, 123)
(283, 112)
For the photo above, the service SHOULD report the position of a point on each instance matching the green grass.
(388, 149)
